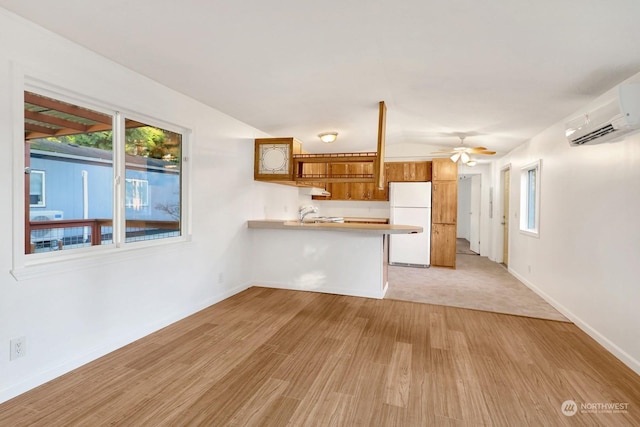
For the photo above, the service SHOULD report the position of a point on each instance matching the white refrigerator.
(410, 204)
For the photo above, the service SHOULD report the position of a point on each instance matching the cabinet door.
(394, 172)
(444, 170)
(315, 170)
(444, 199)
(360, 190)
(339, 190)
(422, 171)
(273, 159)
(443, 245)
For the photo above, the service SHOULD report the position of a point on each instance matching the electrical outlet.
(18, 348)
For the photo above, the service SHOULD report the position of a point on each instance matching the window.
(36, 189)
(136, 193)
(112, 177)
(530, 199)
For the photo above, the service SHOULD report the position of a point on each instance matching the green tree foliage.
(144, 141)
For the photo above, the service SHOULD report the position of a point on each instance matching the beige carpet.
(462, 247)
(476, 283)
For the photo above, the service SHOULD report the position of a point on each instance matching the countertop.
(353, 227)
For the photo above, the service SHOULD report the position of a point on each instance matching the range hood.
(315, 191)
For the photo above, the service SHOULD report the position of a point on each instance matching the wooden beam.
(382, 129)
(30, 127)
(33, 131)
(53, 120)
(63, 107)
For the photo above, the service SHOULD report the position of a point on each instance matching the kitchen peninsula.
(338, 258)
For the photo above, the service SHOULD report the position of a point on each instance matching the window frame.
(530, 194)
(26, 266)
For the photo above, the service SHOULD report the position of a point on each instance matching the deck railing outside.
(74, 233)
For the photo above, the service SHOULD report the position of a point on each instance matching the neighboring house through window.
(110, 187)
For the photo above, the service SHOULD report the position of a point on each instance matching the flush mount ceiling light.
(328, 137)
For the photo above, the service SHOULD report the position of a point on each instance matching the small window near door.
(36, 189)
(530, 198)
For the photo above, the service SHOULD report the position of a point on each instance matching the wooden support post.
(382, 128)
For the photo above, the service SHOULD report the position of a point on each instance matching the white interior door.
(474, 226)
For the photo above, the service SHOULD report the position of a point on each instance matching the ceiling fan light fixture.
(465, 158)
(328, 137)
(454, 158)
(471, 163)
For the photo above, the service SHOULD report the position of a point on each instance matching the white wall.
(352, 209)
(69, 318)
(585, 261)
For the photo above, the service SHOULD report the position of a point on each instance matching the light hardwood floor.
(278, 357)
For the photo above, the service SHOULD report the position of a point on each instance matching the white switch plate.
(18, 348)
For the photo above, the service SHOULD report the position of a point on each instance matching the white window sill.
(40, 265)
(531, 233)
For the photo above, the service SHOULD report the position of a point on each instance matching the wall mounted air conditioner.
(48, 234)
(609, 123)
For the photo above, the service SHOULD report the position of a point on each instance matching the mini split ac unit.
(609, 123)
(48, 234)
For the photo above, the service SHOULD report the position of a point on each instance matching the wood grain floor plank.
(398, 383)
(257, 407)
(272, 357)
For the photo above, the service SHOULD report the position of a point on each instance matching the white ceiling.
(499, 71)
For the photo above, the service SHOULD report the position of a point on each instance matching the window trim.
(526, 198)
(27, 266)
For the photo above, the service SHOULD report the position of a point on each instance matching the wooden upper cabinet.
(444, 170)
(273, 158)
(408, 171)
(352, 190)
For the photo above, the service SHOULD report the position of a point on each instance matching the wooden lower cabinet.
(443, 245)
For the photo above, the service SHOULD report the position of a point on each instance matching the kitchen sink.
(321, 219)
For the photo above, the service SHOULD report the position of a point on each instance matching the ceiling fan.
(463, 153)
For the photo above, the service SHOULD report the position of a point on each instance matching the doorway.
(506, 181)
(469, 204)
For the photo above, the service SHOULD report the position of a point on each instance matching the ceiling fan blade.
(477, 149)
(486, 153)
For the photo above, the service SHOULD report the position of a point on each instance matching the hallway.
(476, 283)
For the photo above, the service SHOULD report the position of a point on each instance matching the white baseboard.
(40, 378)
(624, 357)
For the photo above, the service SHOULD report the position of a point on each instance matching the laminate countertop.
(352, 227)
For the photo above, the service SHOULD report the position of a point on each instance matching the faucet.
(306, 210)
